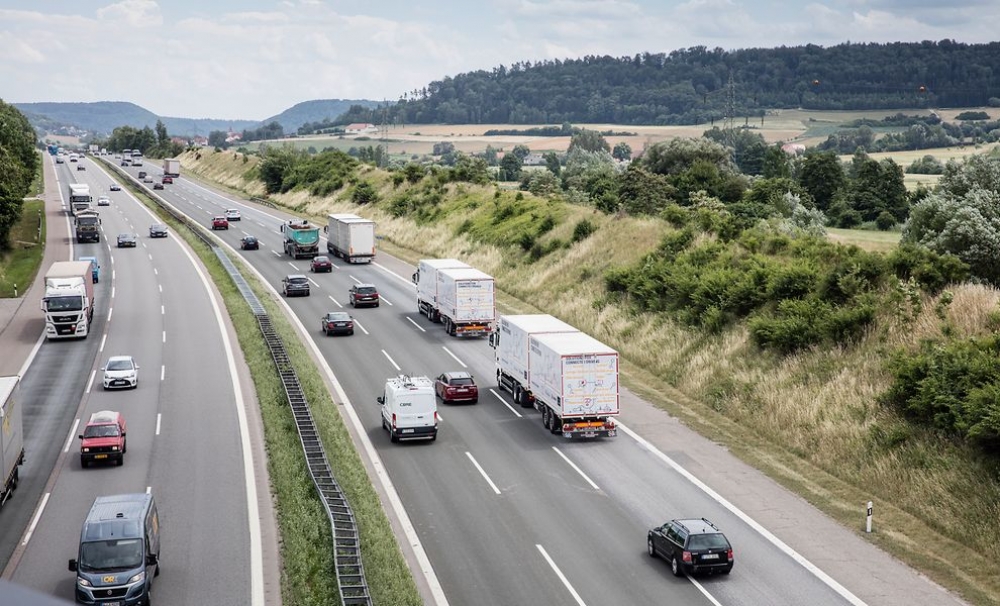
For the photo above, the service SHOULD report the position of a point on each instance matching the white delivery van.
(409, 408)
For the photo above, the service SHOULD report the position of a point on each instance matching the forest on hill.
(698, 85)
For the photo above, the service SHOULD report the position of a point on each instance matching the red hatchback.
(220, 223)
(103, 439)
(458, 386)
(321, 263)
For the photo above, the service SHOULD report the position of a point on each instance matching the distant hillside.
(102, 117)
(186, 127)
(315, 111)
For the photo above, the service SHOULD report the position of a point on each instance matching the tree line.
(18, 164)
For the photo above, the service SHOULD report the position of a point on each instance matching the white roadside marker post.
(868, 520)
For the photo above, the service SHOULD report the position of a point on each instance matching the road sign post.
(868, 520)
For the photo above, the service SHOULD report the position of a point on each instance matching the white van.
(409, 408)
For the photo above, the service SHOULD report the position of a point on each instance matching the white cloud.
(18, 51)
(577, 8)
(135, 13)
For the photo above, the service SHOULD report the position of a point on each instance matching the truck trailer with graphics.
(510, 342)
(466, 301)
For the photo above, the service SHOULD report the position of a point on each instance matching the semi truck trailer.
(79, 197)
(510, 343)
(171, 168)
(351, 237)
(301, 239)
(11, 436)
(466, 301)
(426, 279)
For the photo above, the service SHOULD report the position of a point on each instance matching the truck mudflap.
(604, 428)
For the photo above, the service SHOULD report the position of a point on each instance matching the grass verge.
(307, 576)
(19, 265)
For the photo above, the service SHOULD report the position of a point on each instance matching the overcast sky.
(252, 59)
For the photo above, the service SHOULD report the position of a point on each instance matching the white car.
(104, 201)
(232, 214)
(121, 372)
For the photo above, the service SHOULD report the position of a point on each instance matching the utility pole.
(384, 132)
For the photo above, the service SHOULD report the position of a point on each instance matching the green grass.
(870, 240)
(19, 265)
(307, 576)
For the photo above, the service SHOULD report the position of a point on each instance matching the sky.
(252, 59)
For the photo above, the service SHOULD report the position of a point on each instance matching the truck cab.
(409, 408)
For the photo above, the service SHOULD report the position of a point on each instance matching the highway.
(184, 439)
(507, 512)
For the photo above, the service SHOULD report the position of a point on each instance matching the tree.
(521, 151)
(490, 155)
(588, 140)
(217, 138)
(622, 151)
(642, 192)
(776, 163)
(510, 167)
(823, 177)
(552, 162)
(161, 134)
(18, 164)
(443, 147)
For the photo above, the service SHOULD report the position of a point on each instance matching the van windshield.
(110, 555)
(74, 303)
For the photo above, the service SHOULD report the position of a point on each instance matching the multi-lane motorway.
(186, 442)
(505, 512)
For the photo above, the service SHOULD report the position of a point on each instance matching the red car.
(167, 180)
(363, 294)
(103, 439)
(458, 386)
(220, 223)
(321, 263)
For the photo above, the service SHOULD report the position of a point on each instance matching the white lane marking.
(90, 383)
(440, 418)
(113, 274)
(110, 309)
(112, 292)
(198, 206)
(149, 489)
(392, 273)
(822, 576)
(155, 272)
(31, 356)
(158, 417)
(34, 520)
(482, 472)
(104, 340)
(163, 371)
(112, 262)
(384, 300)
(163, 310)
(357, 281)
(704, 591)
(517, 414)
(575, 468)
(244, 233)
(561, 576)
(293, 266)
(391, 361)
(72, 434)
(144, 245)
(313, 282)
(336, 301)
(160, 286)
(415, 324)
(276, 253)
(150, 257)
(448, 351)
(164, 336)
(358, 324)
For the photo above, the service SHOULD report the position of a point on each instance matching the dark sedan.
(249, 243)
(337, 323)
(157, 186)
(158, 230)
(126, 240)
(320, 264)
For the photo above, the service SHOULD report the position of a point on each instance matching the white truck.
(136, 159)
(350, 237)
(510, 342)
(79, 197)
(426, 279)
(409, 408)
(574, 380)
(466, 301)
(171, 168)
(69, 300)
(11, 436)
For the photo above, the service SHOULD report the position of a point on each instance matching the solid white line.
(34, 520)
(158, 417)
(336, 301)
(381, 298)
(311, 281)
(164, 336)
(415, 324)
(104, 339)
(578, 470)
(72, 433)
(704, 591)
(517, 414)
(448, 351)
(90, 383)
(31, 356)
(391, 361)
(358, 324)
(482, 472)
(561, 576)
(163, 371)
(822, 576)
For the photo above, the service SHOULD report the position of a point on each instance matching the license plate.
(111, 603)
(710, 556)
(104, 456)
(590, 434)
(407, 431)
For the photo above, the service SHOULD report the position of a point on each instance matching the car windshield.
(708, 541)
(159, 228)
(321, 260)
(367, 290)
(120, 365)
(461, 381)
(125, 237)
(249, 239)
(110, 555)
(101, 431)
(65, 303)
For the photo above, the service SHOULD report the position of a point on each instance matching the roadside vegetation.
(841, 371)
(307, 576)
(19, 264)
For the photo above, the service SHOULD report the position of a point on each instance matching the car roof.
(458, 374)
(116, 358)
(103, 417)
(338, 314)
(698, 526)
(324, 257)
(364, 285)
(249, 237)
(125, 234)
(291, 276)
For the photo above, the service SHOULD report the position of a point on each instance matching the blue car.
(95, 268)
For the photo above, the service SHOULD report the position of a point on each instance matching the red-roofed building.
(359, 127)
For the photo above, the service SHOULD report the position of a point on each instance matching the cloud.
(18, 51)
(577, 8)
(135, 13)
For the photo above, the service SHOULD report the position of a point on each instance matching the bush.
(932, 271)
(582, 230)
(885, 221)
(364, 193)
(796, 325)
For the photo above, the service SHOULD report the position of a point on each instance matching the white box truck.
(510, 342)
(574, 379)
(466, 301)
(79, 197)
(171, 168)
(426, 280)
(69, 299)
(351, 238)
(409, 408)
(11, 436)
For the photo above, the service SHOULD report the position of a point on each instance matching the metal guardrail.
(347, 562)
(263, 201)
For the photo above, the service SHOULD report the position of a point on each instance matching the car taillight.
(437, 419)
(609, 424)
(686, 557)
(729, 555)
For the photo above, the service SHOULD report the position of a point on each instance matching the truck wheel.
(17, 478)
(545, 418)
(555, 423)
(393, 437)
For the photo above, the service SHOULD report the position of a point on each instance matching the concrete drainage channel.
(346, 544)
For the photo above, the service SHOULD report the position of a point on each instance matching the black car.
(157, 186)
(249, 243)
(321, 263)
(691, 546)
(115, 187)
(126, 240)
(337, 323)
(295, 284)
(363, 294)
(158, 230)
(81, 167)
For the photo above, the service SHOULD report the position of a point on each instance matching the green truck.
(88, 226)
(301, 239)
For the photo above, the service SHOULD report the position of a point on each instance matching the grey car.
(126, 240)
(294, 285)
(158, 230)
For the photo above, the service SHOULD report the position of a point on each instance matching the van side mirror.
(72, 565)
(380, 400)
(151, 559)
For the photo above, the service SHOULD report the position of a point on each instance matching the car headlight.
(139, 577)
(86, 450)
(114, 448)
(82, 582)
